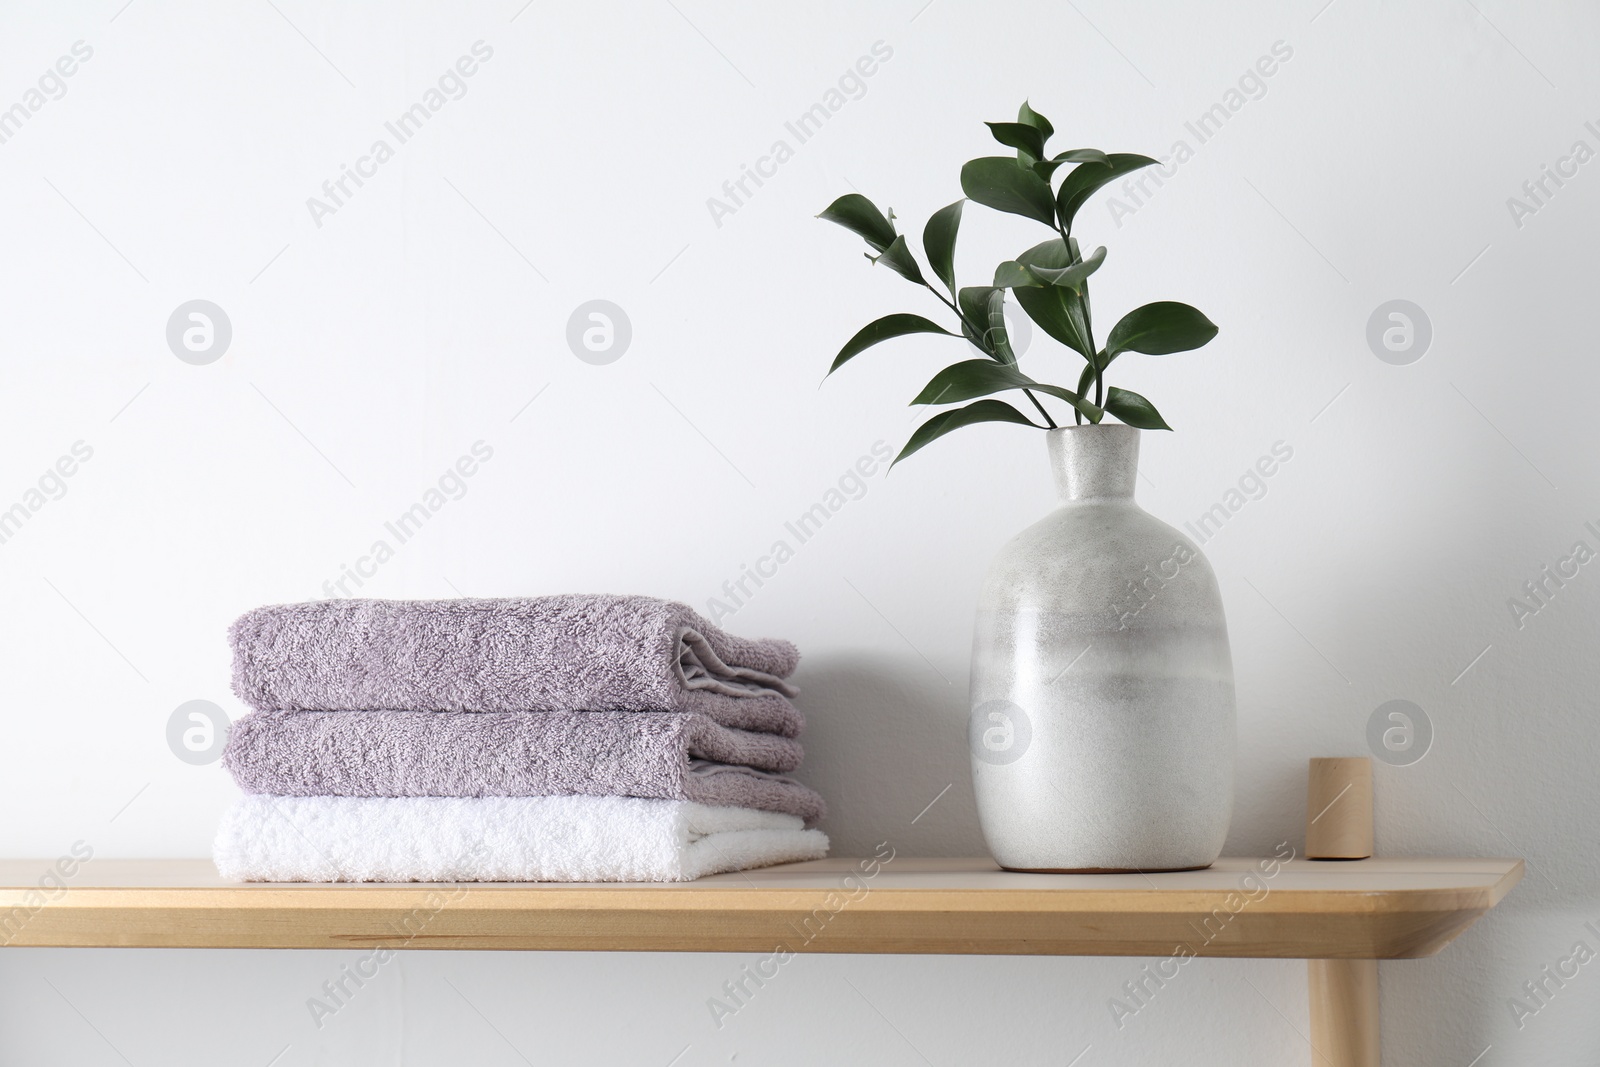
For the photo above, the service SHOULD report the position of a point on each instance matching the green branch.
(988, 350)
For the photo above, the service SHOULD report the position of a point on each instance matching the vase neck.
(1095, 462)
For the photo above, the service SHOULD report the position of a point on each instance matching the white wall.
(371, 351)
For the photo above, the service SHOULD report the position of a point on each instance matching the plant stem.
(968, 323)
(1099, 368)
(1050, 423)
(1088, 324)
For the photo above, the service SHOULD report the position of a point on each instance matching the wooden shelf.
(1362, 909)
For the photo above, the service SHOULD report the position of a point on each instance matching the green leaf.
(998, 337)
(946, 421)
(981, 377)
(1084, 179)
(970, 378)
(973, 300)
(1001, 183)
(1013, 275)
(1053, 254)
(1057, 310)
(1026, 114)
(1072, 277)
(882, 330)
(1044, 168)
(1019, 135)
(1081, 155)
(939, 243)
(1134, 409)
(1159, 328)
(897, 257)
(861, 216)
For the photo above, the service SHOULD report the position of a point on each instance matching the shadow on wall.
(1269, 793)
(886, 744)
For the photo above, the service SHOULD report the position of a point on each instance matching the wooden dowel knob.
(1339, 809)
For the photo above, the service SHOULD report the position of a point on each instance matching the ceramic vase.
(1102, 730)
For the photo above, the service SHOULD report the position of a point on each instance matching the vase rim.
(1103, 426)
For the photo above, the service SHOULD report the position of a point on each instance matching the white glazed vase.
(1102, 728)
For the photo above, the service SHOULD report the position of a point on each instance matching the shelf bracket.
(1344, 993)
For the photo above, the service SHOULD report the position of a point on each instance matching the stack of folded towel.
(561, 738)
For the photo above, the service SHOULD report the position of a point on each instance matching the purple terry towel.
(666, 755)
(551, 653)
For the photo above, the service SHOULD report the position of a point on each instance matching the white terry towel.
(500, 839)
